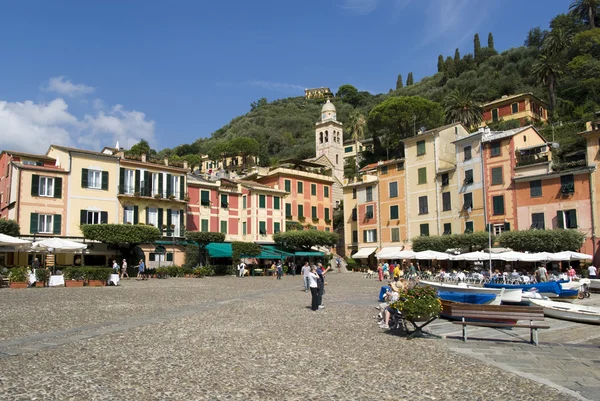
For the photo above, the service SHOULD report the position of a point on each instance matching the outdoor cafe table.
(31, 278)
(114, 278)
(56, 281)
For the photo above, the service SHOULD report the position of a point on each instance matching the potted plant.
(171, 197)
(157, 196)
(18, 277)
(418, 304)
(41, 277)
(301, 219)
(73, 277)
(98, 276)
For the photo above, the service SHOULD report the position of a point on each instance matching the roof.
(495, 135)
(298, 162)
(380, 163)
(361, 141)
(328, 106)
(512, 97)
(31, 155)
(470, 136)
(555, 174)
(196, 179)
(260, 187)
(40, 168)
(432, 131)
(84, 151)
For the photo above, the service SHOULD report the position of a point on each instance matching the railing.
(531, 159)
(148, 192)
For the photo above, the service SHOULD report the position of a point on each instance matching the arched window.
(320, 137)
(326, 136)
(337, 159)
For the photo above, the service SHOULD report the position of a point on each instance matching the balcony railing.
(148, 192)
(527, 160)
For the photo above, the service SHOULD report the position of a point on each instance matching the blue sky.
(89, 73)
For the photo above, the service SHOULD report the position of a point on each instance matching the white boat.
(505, 295)
(566, 311)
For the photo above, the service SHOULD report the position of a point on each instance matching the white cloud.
(360, 7)
(33, 127)
(64, 87)
(277, 86)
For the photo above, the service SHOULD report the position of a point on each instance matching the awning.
(383, 254)
(363, 253)
(308, 253)
(219, 250)
(275, 250)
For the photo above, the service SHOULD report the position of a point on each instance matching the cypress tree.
(450, 68)
(476, 44)
(409, 80)
(440, 63)
(399, 82)
(491, 41)
(456, 56)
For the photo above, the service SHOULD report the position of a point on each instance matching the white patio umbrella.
(510, 256)
(569, 255)
(473, 256)
(431, 255)
(58, 245)
(7, 240)
(401, 255)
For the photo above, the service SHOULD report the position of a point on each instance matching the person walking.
(292, 269)
(279, 270)
(321, 283)
(305, 274)
(116, 267)
(380, 272)
(592, 271)
(542, 274)
(124, 269)
(242, 269)
(338, 263)
(312, 279)
(141, 268)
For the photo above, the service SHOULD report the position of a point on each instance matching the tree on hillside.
(141, 147)
(244, 147)
(456, 57)
(399, 82)
(346, 93)
(535, 37)
(259, 103)
(490, 41)
(450, 68)
(409, 80)
(548, 69)
(557, 42)
(586, 10)
(356, 128)
(400, 117)
(461, 107)
(220, 151)
(476, 45)
(440, 65)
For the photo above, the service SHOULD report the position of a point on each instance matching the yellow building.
(524, 107)
(592, 137)
(432, 201)
(470, 206)
(361, 217)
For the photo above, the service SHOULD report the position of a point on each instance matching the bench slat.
(491, 324)
(513, 316)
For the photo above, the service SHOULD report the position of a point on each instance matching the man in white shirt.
(306, 274)
(592, 271)
(242, 269)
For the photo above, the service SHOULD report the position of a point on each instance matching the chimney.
(589, 126)
(185, 164)
(144, 157)
(166, 161)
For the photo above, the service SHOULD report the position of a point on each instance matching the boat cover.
(548, 286)
(467, 297)
(382, 292)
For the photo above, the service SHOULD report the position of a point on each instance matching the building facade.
(361, 216)
(524, 107)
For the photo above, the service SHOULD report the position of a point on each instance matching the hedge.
(120, 233)
(9, 227)
(542, 240)
(441, 243)
(305, 239)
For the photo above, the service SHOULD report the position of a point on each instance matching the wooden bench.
(498, 316)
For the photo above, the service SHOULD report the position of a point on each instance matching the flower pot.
(40, 283)
(96, 283)
(18, 284)
(73, 283)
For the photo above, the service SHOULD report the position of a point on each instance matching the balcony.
(147, 192)
(527, 160)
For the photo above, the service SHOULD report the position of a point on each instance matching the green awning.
(308, 253)
(219, 250)
(277, 251)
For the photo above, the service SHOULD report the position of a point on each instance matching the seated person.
(390, 297)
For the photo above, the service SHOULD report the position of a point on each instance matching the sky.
(91, 73)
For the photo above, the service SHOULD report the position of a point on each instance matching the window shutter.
(147, 215)
(35, 185)
(33, 224)
(58, 187)
(560, 219)
(181, 221)
(375, 235)
(84, 178)
(159, 219)
(122, 180)
(506, 226)
(169, 222)
(169, 185)
(83, 217)
(104, 217)
(181, 187)
(105, 180)
(365, 236)
(136, 216)
(573, 219)
(497, 176)
(124, 216)
(487, 228)
(169, 256)
(57, 220)
(160, 184)
(137, 181)
(146, 191)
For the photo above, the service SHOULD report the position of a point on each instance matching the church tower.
(329, 138)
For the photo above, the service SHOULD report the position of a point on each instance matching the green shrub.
(204, 271)
(42, 275)
(73, 273)
(542, 240)
(192, 256)
(120, 233)
(9, 227)
(18, 274)
(420, 302)
(162, 272)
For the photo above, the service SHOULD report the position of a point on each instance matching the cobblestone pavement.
(232, 339)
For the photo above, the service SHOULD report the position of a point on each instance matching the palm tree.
(356, 127)
(461, 107)
(586, 10)
(548, 69)
(557, 42)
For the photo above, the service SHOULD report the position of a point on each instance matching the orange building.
(361, 217)
(524, 107)
(592, 137)
(519, 151)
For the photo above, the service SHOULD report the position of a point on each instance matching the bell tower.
(329, 138)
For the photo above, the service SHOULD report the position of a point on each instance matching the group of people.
(396, 270)
(392, 295)
(120, 270)
(314, 280)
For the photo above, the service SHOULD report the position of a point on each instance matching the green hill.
(564, 60)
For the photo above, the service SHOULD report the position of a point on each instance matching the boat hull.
(550, 289)
(573, 313)
(505, 295)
